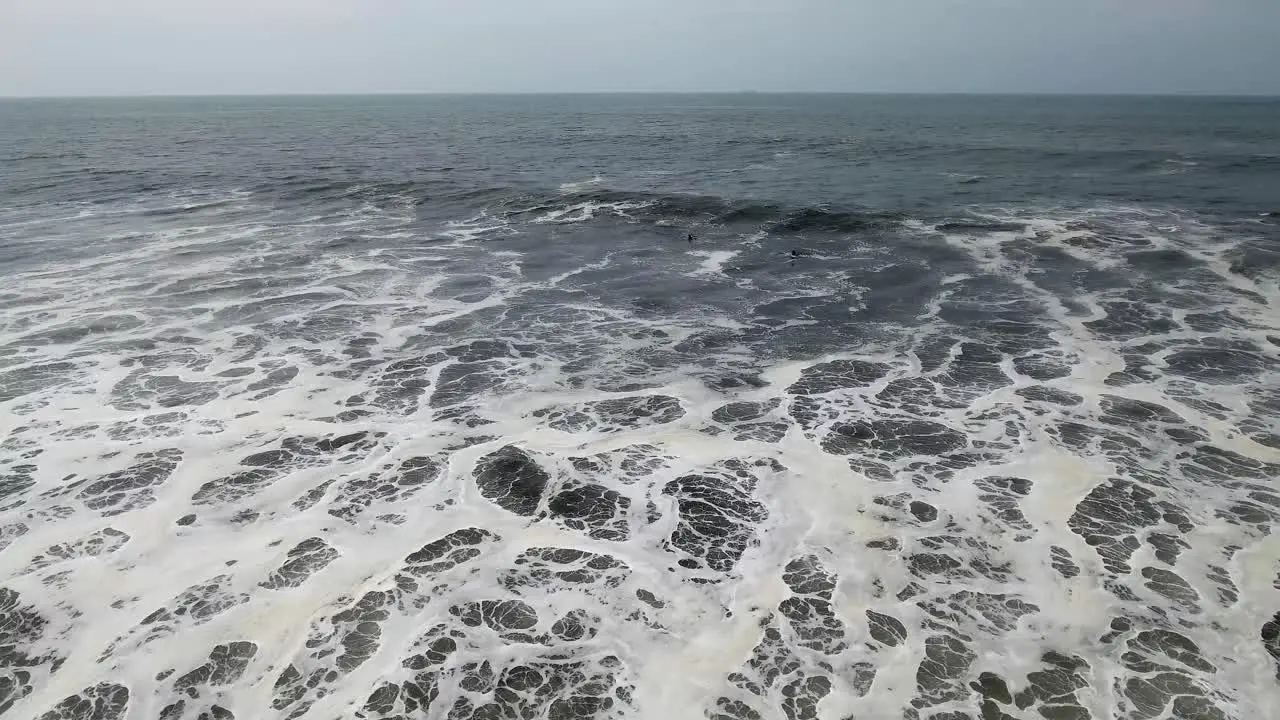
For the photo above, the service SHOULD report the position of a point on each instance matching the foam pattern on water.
(1020, 465)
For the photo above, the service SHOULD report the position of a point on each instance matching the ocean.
(735, 407)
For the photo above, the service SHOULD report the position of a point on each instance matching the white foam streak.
(572, 187)
(713, 261)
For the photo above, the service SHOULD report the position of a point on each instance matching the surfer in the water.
(691, 238)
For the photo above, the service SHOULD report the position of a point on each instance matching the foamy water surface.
(544, 459)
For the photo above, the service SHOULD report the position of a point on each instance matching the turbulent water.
(428, 408)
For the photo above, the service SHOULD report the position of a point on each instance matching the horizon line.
(563, 93)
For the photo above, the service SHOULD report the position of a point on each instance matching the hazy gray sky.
(95, 47)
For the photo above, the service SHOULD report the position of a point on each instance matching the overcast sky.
(124, 47)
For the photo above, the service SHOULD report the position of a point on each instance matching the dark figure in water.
(795, 253)
(691, 238)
